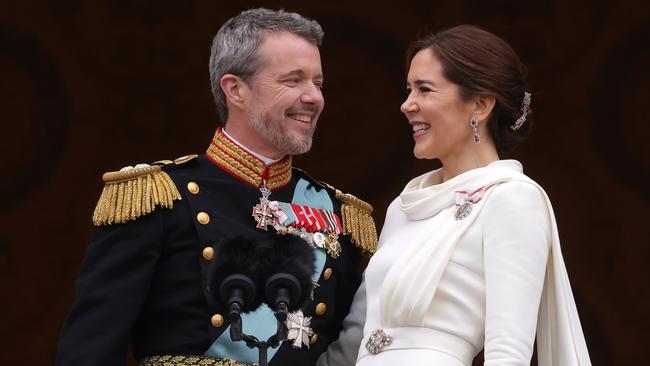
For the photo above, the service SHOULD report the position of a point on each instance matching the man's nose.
(312, 94)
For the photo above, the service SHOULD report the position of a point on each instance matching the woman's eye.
(407, 91)
(424, 89)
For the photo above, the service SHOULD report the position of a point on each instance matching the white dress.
(444, 288)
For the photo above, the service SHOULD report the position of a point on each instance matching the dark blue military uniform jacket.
(146, 281)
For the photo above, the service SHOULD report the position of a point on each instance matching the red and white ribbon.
(462, 197)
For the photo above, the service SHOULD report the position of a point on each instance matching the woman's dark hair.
(481, 63)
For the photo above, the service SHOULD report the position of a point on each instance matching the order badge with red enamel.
(262, 212)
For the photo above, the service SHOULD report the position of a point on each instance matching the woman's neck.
(475, 156)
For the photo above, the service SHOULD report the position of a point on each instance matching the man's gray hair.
(235, 48)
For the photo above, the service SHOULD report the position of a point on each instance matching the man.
(146, 278)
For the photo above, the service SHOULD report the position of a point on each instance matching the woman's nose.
(408, 106)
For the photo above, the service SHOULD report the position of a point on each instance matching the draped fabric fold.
(411, 283)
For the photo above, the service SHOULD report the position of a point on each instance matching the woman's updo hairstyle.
(481, 63)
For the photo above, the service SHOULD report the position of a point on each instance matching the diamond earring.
(474, 124)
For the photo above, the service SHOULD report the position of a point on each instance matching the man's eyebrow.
(300, 73)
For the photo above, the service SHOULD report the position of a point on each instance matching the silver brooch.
(463, 211)
(377, 341)
(464, 202)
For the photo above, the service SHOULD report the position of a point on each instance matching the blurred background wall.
(91, 86)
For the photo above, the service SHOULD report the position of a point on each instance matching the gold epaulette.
(358, 222)
(129, 194)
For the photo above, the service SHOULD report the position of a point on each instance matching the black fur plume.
(290, 254)
(259, 259)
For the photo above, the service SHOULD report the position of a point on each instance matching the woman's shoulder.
(517, 194)
(521, 189)
(519, 208)
(515, 182)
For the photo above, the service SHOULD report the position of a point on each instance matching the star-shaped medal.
(299, 329)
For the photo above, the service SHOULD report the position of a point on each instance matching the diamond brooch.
(377, 341)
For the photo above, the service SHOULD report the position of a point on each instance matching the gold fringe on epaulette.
(358, 222)
(130, 194)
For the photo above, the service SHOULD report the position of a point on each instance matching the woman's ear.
(484, 104)
(235, 90)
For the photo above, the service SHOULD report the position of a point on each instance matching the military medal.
(299, 327)
(319, 240)
(464, 202)
(332, 245)
(319, 228)
(262, 211)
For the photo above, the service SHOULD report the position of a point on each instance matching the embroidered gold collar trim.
(244, 166)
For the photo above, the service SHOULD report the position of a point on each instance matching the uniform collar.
(267, 161)
(242, 164)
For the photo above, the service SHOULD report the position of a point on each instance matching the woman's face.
(440, 119)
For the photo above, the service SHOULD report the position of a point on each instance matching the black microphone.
(275, 270)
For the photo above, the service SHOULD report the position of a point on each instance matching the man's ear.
(235, 89)
(484, 104)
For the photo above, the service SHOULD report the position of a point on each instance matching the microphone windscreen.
(260, 259)
(238, 255)
(293, 255)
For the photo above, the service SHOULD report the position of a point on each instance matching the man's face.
(286, 93)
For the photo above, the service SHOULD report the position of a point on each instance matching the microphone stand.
(279, 288)
(252, 341)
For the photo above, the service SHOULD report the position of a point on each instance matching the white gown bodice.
(458, 306)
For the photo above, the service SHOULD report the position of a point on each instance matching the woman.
(469, 255)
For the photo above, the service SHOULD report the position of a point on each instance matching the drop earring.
(474, 124)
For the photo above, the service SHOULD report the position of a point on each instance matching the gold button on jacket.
(321, 308)
(217, 320)
(327, 273)
(193, 187)
(203, 218)
(208, 253)
(313, 339)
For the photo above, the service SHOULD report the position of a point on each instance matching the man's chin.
(299, 146)
(297, 149)
(299, 141)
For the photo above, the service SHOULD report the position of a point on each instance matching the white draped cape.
(412, 281)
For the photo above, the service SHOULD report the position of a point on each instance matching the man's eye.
(319, 84)
(292, 82)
